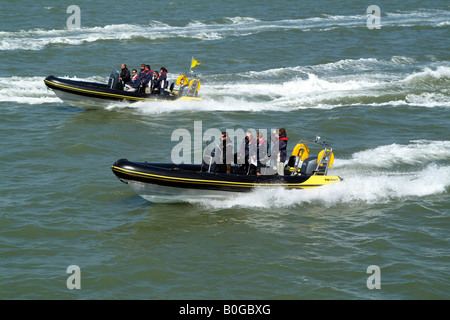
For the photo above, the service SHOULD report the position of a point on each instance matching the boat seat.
(208, 167)
(291, 162)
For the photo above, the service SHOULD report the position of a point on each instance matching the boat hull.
(164, 194)
(155, 181)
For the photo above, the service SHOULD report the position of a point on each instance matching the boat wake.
(383, 181)
(361, 82)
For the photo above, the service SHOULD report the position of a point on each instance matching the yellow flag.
(194, 63)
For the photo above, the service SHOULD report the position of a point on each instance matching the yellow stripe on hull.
(112, 95)
(312, 182)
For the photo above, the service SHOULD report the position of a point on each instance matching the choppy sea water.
(379, 96)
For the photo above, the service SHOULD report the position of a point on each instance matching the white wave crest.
(37, 39)
(441, 72)
(417, 152)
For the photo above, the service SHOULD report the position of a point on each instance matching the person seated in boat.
(154, 82)
(125, 76)
(134, 83)
(142, 70)
(226, 154)
(260, 158)
(146, 77)
(243, 156)
(279, 152)
(162, 81)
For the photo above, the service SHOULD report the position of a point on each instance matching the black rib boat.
(167, 182)
(86, 94)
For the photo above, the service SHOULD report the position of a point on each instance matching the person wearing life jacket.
(262, 147)
(226, 155)
(146, 77)
(248, 147)
(279, 151)
(142, 71)
(258, 149)
(154, 82)
(134, 83)
(162, 81)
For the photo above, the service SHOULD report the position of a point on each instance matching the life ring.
(330, 161)
(301, 150)
(198, 84)
(182, 80)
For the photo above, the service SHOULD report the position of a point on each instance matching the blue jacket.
(262, 150)
(244, 150)
(280, 146)
(162, 80)
(135, 82)
(146, 76)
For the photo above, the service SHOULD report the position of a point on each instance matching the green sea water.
(380, 96)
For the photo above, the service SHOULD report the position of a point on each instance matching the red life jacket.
(262, 141)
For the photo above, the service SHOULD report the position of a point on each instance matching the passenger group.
(257, 151)
(146, 80)
(254, 154)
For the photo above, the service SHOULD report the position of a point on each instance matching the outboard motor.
(308, 166)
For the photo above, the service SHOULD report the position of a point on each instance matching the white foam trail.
(32, 90)
(361, 82)
(363, 180)
(26, 90)
(342, 83)
(228, 104)
(366, 188)
(312, 92)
